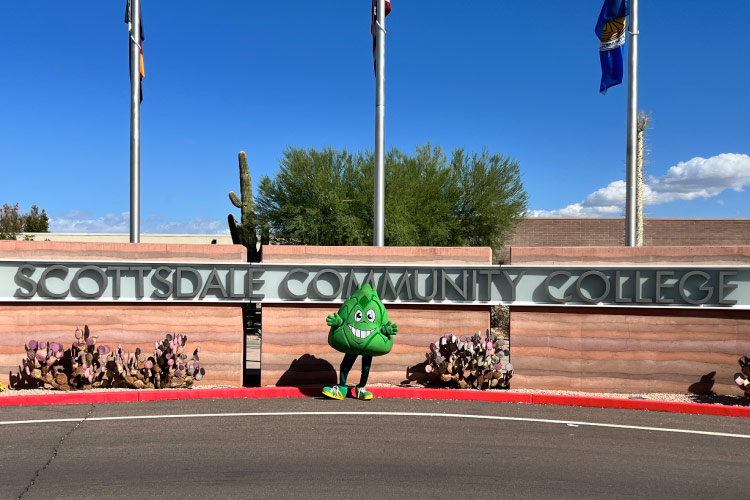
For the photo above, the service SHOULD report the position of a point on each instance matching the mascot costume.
(360, 327)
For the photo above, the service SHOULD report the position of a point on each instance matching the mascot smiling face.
(361, 326)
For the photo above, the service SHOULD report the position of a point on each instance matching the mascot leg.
(359, 391)
(339, 391)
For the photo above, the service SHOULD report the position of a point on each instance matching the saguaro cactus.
(245, 233)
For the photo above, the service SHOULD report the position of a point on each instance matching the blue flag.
(610, 29)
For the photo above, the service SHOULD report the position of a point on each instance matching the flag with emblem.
(373, 26)
(610, 29)
(138, 39)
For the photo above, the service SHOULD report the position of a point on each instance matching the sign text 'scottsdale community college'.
(662, 286)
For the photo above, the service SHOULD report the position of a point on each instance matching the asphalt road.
(232, 449)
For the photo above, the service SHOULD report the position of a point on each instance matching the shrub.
(743, 379)
(86, 365)
(471, 362)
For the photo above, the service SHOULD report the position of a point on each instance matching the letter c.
(548, 281)
(284, 286)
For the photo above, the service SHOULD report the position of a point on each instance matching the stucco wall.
(628, 349)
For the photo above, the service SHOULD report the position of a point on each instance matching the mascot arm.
(390, 329)
(334, 320)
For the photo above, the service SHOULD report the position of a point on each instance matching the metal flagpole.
(379, 219)
(135, 122)
(631, 155)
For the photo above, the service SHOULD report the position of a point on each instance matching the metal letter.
(618, 289)
(336, 290)
(214, 282)
(43, 290)
(158, 278)
(548, 282)
(639, 290)
(416, 285)
(116, 279)
(352, 284)
(403, 282)
(723, 287)
(178, 293)
(703, 288)
(252, 282)
(284, 286)
(593, 300)
(139, 281)
(513, 283)
(461, 291)
(230, 284)
(489, 273)
(660, 286)
(75, 289)
(21, 279)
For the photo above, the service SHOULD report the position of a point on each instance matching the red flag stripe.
(373, 20)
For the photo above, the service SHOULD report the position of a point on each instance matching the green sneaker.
(335, 392)
(361, 393)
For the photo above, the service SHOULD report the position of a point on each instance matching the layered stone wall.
(217, 329)
(628, 349)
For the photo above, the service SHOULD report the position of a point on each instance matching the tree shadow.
(308, 370)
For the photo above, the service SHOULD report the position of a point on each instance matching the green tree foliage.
(13, 223)
(326, 198)
(35, 222)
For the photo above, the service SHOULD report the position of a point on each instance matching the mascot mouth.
(361, 334)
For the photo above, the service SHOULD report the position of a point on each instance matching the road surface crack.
(54, 453)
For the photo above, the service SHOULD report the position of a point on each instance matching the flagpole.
(631, 155)
(379, 208)
(135, 122)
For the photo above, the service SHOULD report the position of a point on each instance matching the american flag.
(373, 27)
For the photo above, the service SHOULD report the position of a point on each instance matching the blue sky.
(519, 78)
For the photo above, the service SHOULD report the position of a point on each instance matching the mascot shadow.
(310, 371)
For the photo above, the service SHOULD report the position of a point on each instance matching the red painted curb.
(643, 404)
(381, 392)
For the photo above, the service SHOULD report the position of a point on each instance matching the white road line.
(382, 414)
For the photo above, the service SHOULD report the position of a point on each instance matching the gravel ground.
(683, 398)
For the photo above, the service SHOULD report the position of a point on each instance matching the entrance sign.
(122, 282)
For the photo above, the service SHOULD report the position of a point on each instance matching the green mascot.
(361, 327)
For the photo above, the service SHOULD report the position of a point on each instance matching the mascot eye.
(370, 315)
(358, 316)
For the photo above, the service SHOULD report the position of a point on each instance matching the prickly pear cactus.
(168, 366)
(742, 379)
(79, 367)
(471, 362)
(87, 365)
(246, 232)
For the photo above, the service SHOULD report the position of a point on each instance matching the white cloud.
(696, 178)
(85, 222)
